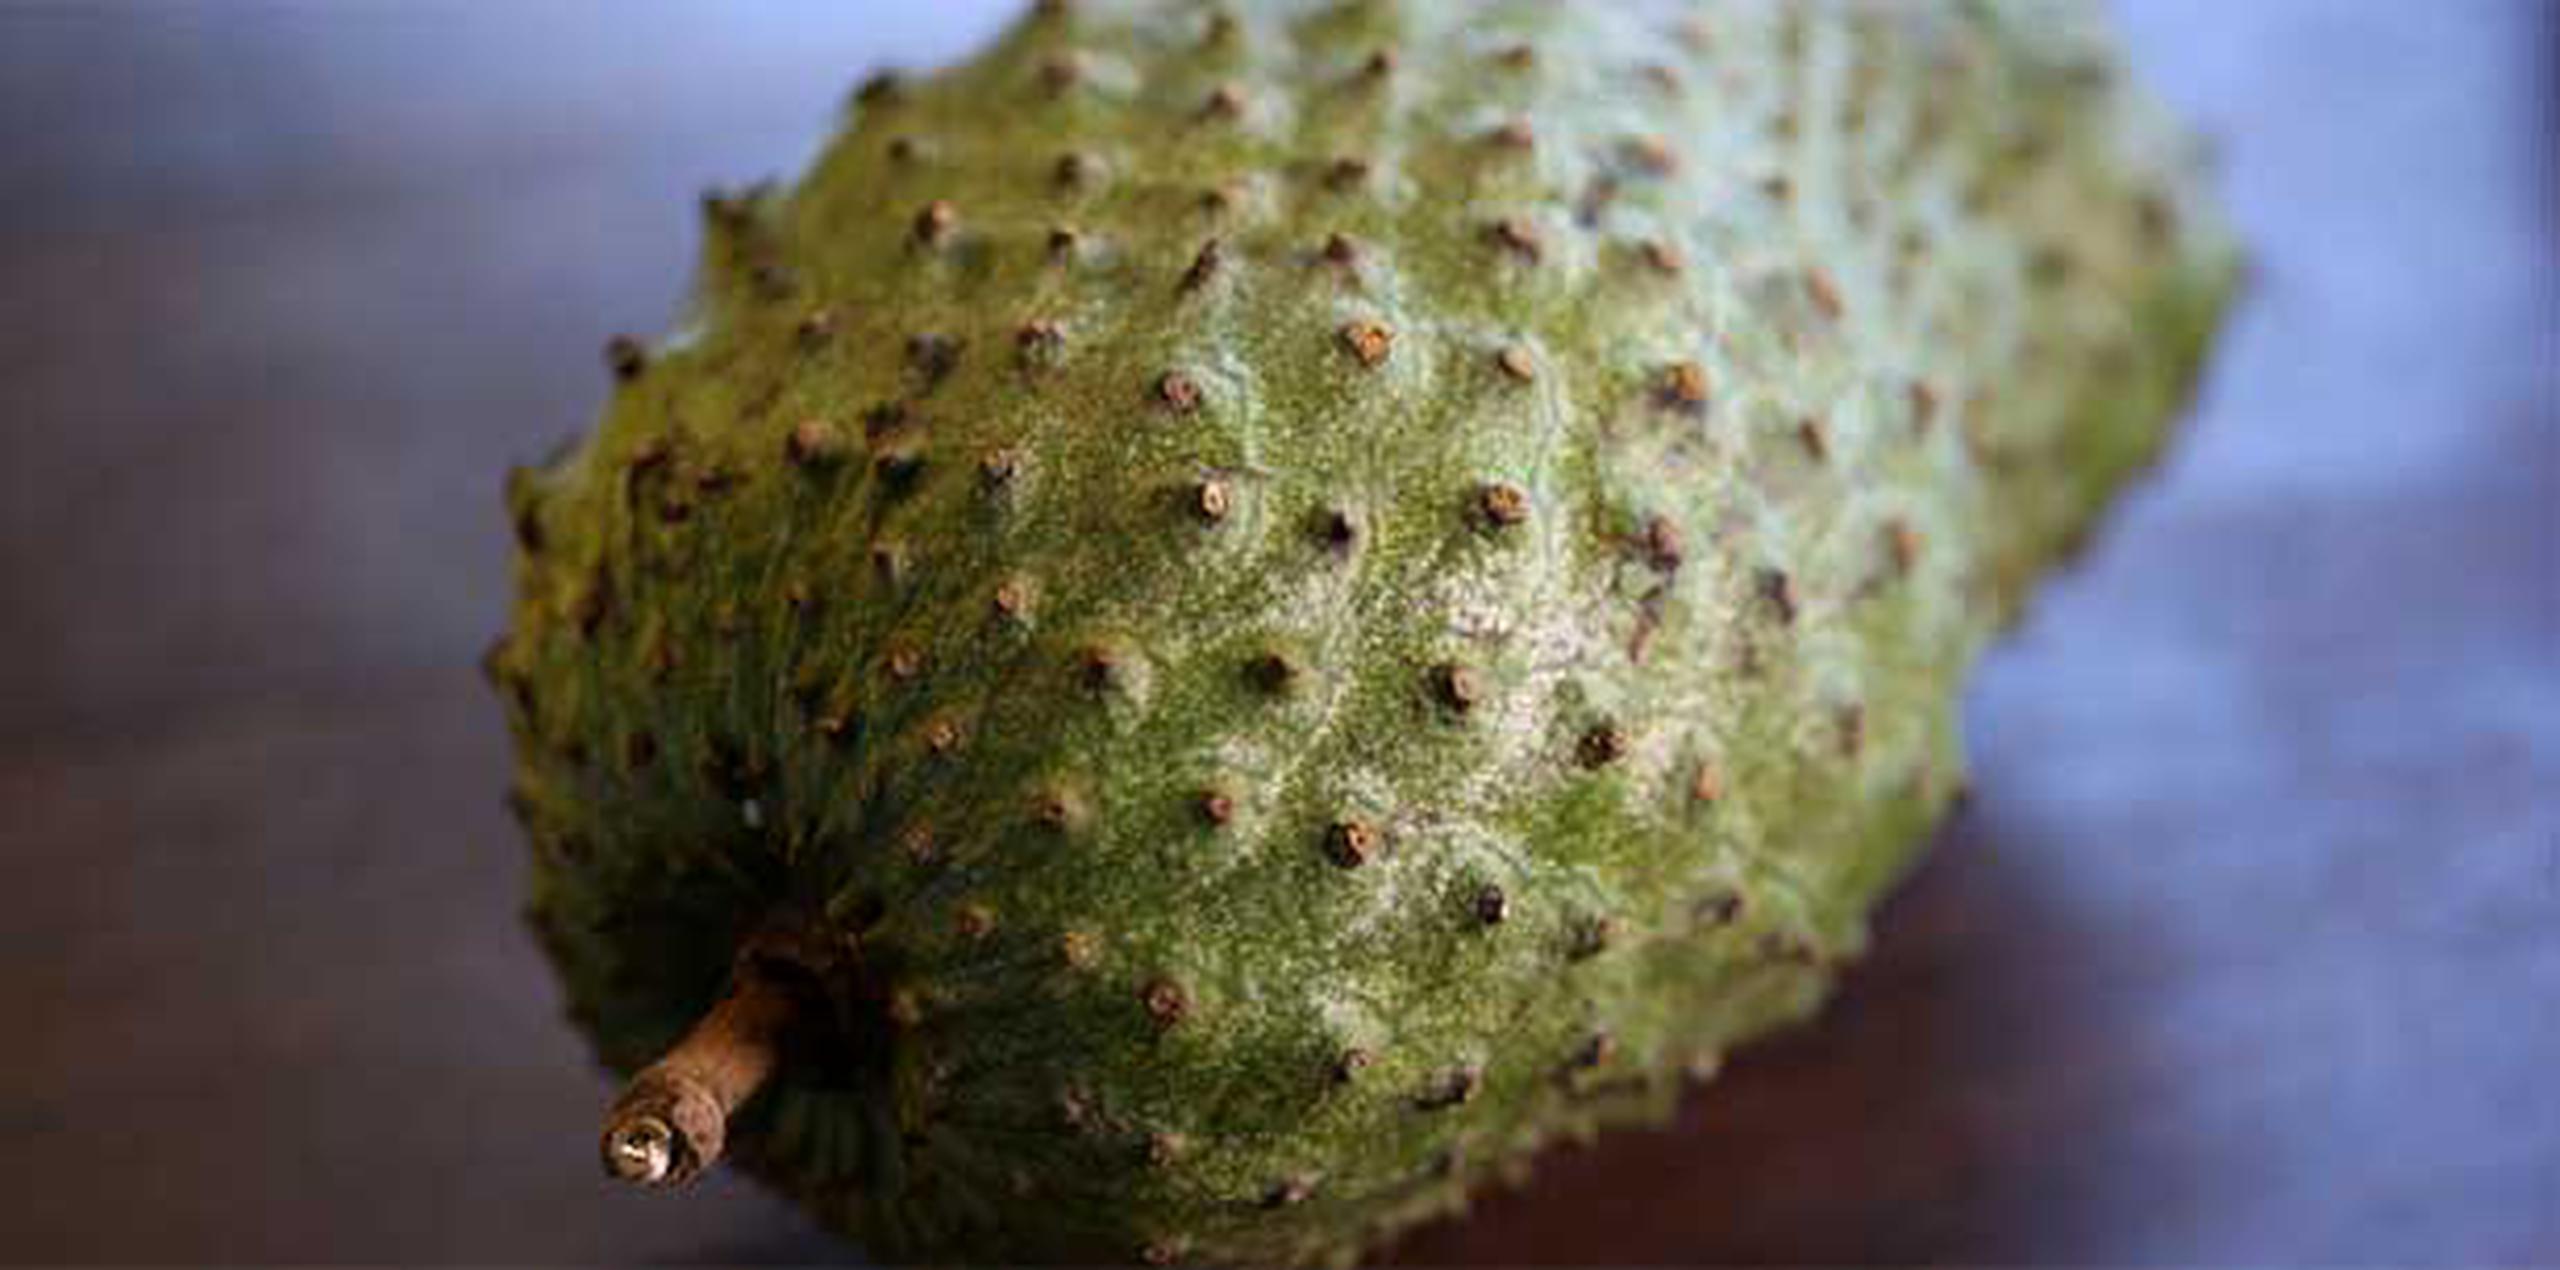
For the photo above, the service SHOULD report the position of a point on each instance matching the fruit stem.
(671, 1120)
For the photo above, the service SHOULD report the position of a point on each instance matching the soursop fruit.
(1232, 615)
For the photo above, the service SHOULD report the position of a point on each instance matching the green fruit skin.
(1317, 596)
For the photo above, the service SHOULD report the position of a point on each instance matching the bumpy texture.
(1298, 599)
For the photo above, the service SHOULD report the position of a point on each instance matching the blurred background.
(2247, 950)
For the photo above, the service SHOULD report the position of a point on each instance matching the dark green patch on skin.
(1336, 632)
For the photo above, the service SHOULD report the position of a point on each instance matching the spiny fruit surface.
(1282, 602)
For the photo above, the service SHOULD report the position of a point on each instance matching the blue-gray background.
(2247, 951)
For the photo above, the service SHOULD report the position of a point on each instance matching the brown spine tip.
(672, 1119)
(1346, 172)
(1217, 808)
(1924, 406)
(1224, 102)
(1058, 811)
(1380, 64)
(1211, 500)
(1592, 937)
(1517, 57)
(1902, 546)
(1650, 155)
(1166, 1002)
(1662, 257)
(1063, 241)
(1816, 443)
(1502, 504)
(1273, 673)
(1204, 266)
(815, 328)
(1218, 200)
(1719, 908)
(1341, 250)
(1457, 1089)
(1367, 340)
(1177, 392)
(1351, 843)
(882, 88)
(1100, 668)
(1601, 746)
(932, 355)
(1661, 543)
(1708, 785)
(1515, 135)
(1060, 72)
(1348, 1067)
(1079, 950)
(1851, 723)
(905, 663)
(1012, 599)
(1336, 529)
(1517, 363)
(1518, 236)
(1456, 686)
(1037, 341)
(1682, 385)
(814, 443)
(1825, 293)
(933, 224)
(997, 469)
(1779, 591)
(625, 357)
